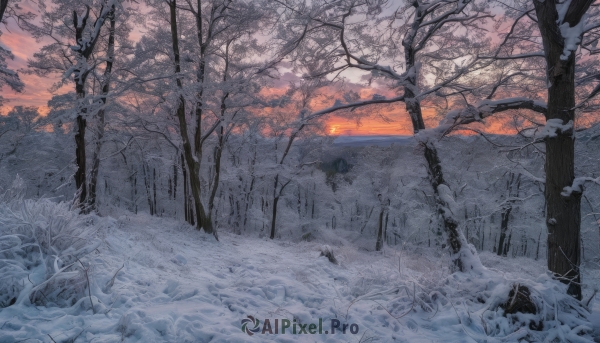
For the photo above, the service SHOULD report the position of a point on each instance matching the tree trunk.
(92, 201)
(83, 50)
(220, 141)
(505, 214)
(512, 186)
(193, 165)
(175, 179)
(80, 174)
(80, 160)
(275, 201)
(3, 5)
(216, 177)
(200, 75)
(277, 194)
(101, 114)
(147, 187)
(563, 215)
(248, 195)
(454, 236)
(379, 244)
(154, 189)
(436, 178)
(185, 191)
(385, 226)
(274, 217)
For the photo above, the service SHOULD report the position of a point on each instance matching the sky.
(23, 46)
(390, 120)
(36, 93)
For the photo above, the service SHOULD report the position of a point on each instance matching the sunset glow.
(380, 120)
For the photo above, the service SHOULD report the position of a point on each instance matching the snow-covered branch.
(486, 108)
(353, 105)
(515, 57)
(577, 186)
(555, 127)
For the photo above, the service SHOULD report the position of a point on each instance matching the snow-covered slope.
(180, 285)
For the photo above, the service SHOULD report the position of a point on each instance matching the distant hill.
(382, 141)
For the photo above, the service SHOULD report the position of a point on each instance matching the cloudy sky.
(392, 120)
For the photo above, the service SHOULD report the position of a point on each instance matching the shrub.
(41, 247)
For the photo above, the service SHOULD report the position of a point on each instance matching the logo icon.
(251, 320)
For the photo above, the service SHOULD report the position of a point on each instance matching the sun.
(333, 129)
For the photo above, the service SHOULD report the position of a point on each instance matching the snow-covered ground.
(180, 285)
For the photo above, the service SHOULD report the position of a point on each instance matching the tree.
(83, 50)
(18, 122)
(225, 80)
(297, 100)
(560, 35)
(8, 124)
(512, 186)
(438, 36)
(563, 28)
(7, 76)
(105, 85)
(70, 59)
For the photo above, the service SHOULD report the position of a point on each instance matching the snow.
(577, 186)
(595, 317)
(571, 35)
(447, 197)
(158, 280)
(555, 126)
(487, 106)
(562, 9)
(79, 20)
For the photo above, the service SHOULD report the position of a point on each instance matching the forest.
(358, 170)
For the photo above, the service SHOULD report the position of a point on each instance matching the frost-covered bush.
(519, 310)
(539, 310)
(41, 246)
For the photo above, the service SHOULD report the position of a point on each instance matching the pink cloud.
(23, 46)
